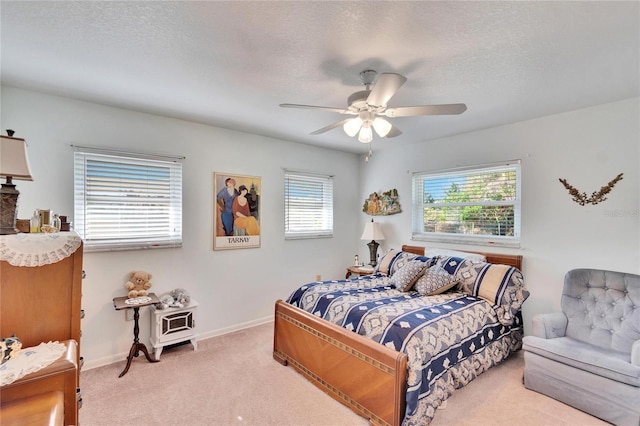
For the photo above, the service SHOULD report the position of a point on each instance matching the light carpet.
(234, 380)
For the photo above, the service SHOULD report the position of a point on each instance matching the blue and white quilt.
(449, 338)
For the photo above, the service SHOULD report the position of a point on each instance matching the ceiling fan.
(369, 107)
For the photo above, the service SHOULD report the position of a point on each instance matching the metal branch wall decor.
(596, 197)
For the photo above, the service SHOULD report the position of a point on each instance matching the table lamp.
(372, 231)
(14, 164)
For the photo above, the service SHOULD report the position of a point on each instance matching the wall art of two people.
(237, 206)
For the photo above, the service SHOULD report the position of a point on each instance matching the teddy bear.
(178, 298)
(138, 284)
(181, 297)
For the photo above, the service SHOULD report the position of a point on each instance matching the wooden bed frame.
(362, 374)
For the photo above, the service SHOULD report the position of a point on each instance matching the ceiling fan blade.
(393, 132)
(386, 86)
(444, 109)
(331, 126)
(324, 108)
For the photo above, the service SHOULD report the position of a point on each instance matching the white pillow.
(434, 252)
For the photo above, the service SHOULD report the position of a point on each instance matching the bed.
(395, 356)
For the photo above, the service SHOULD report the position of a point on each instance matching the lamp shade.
(381, 126)
(372, 231)
(13, 158)
(365, 135)
(351, 127)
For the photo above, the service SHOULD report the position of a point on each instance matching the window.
(476, 205)
(127, 201)
(308, 205)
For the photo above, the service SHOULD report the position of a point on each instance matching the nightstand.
(359, 270)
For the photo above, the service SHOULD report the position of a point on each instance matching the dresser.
(41, 291)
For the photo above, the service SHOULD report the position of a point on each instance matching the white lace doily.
(30, 360)
(25, 249)
(137, 300)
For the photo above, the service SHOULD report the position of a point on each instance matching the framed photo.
(236, 215)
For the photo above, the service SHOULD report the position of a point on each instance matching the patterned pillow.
(435, 280)
(385, 262)
(402, 259)
(406, 276)
(500, 285)
(465, 270)
(503, 286)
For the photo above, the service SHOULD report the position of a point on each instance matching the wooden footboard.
(363, 375)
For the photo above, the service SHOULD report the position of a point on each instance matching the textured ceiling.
(230, 64)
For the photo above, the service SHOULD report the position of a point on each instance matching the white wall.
(234, 288)
(588, 147)
(237, 288)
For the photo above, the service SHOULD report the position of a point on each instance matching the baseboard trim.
(233, 328)
(108, 360)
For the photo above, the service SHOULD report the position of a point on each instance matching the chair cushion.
(603, 362)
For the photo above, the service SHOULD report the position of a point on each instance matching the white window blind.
(476, 205)
(127, 201)
(308, 209)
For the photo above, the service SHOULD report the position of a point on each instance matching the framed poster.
(236, 216)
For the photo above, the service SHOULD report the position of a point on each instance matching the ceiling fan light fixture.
(381, 126)
(368, 108)
(366, 134)
(352, 126)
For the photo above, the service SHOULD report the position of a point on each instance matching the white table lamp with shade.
(373, 232)
(14, 164)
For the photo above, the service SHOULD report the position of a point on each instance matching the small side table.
(359, 270)
(173, 325)
(120, 303)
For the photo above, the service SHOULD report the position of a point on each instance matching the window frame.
(325, 212)
(142, 177)
(418, 205)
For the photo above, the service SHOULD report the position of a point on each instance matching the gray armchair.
(588, 356)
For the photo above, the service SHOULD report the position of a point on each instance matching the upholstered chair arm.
(550, 326)
(635, 353)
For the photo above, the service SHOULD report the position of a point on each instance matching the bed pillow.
(393, 260)
(435, 280)
(385, 262)
(402, 259)
(463, 269)
(500, 285)
(438, 252)
(405, 277)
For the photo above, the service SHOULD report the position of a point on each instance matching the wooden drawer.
(60, 376)
(36, 410)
